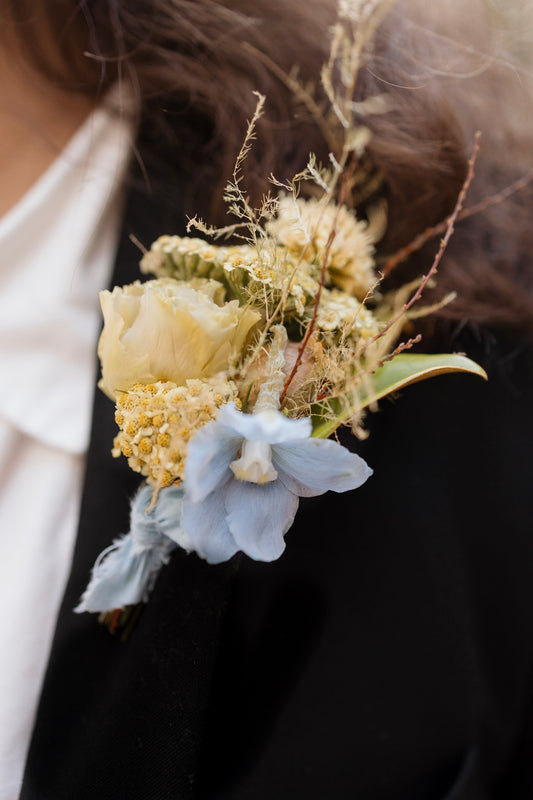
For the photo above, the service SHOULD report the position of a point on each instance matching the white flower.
(168, 330)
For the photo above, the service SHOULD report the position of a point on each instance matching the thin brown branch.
(450, 224)
(488, 202)
(345, 190)
(407, 345)
(311, 326)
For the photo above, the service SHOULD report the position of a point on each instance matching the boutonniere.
(232, 366)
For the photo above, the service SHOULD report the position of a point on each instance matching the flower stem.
(272, 386)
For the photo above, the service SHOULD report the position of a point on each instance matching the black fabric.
(386, 656)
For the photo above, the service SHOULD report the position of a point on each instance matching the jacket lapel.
(124, 719)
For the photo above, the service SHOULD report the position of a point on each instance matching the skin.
(37, 119)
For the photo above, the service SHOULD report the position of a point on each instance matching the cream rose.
(167, 330)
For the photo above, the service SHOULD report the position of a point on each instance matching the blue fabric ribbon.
(125, 573)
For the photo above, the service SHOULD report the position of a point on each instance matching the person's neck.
(37, 119)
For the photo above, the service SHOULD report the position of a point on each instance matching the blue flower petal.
(209, 453)
(258, 516)
(206, 526)
(321, 464)
(265, 426)
(295, 486)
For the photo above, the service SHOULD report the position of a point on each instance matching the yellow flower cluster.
(281, 275)
(183, 258)
(157, 420)
(304, 227)
(340, 314)
(275, 271)
(246, 271)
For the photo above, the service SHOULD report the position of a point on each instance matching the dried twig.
(488, 202)
(345, 190)
(450, 223)
(407, 345)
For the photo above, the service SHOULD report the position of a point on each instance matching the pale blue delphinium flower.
(244, 475)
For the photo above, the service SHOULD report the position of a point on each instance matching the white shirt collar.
(57, 247)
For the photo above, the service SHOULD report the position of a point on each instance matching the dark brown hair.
(196, 63)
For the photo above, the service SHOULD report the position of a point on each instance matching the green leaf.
(402, 370)
(407, 368)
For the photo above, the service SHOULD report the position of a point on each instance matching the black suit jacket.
(386, 656)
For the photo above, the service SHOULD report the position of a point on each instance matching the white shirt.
(57, 247)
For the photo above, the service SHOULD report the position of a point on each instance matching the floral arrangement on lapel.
(236, 362)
